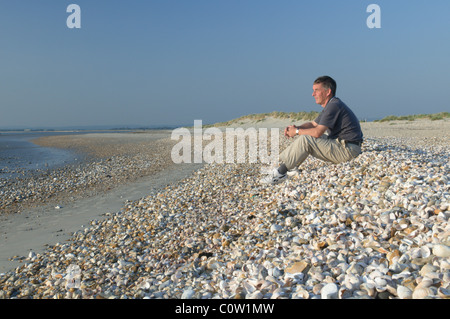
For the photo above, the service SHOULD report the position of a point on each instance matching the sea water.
(20, 157)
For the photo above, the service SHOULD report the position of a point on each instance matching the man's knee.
(302, 140)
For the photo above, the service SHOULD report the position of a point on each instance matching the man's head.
(324, 88)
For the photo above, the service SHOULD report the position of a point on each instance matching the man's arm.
(307, 125)
(310, 128)
(304, 126)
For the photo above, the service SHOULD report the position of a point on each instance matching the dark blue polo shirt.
(340, 120)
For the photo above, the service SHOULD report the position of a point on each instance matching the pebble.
(376, 227)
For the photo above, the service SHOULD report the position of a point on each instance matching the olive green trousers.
(329, 150)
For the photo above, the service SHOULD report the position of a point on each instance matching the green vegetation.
(294, 116)
(310, 116)
(433, 117)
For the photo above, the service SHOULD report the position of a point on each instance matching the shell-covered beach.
(375, 227)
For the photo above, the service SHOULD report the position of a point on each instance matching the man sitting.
(342, 144)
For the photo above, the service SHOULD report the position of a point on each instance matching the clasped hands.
(290, 131)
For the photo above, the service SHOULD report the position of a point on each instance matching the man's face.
(321, 94)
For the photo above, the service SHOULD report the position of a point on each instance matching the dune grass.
(433, 117)
(260, 117)
(310, 116)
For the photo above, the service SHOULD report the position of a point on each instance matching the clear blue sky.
(154, 62)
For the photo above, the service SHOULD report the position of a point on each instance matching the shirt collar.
(334, 97)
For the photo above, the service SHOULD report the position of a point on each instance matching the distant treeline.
(433, 117)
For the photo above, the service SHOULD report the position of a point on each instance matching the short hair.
(328, 83)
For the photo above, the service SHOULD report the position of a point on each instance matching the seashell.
(351, 282)
(391, 287)
(355, 268)
(445, 264)
(380, 284)
(424, 282)
(329, 291)
(249, 287)
(297, 267)
(255, 295)
(239, 294)
(317, 288)
(344, 293)
(404, 292)
(278, 293)
(319, 245)
(369, 288)
(444, 293)
(393, 256)
(262, 273)
(425, 251)
(385, 218)
(426, 269)
(212, 264)
(290, 222)
(267, 285)
(300, 294)
(188, 294)
(276, 272)
(31, 255)
(441, 250)
(275, 228)
(422, 293)
(294, 194)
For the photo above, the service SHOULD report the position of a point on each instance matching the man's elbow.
(319, 131)
(317, 134)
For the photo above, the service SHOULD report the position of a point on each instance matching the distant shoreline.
(80, 130)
